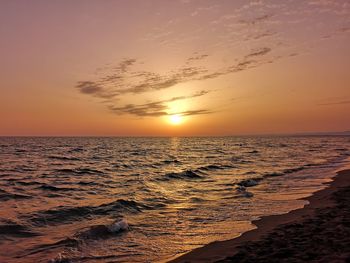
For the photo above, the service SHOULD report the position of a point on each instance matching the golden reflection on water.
(176, 193)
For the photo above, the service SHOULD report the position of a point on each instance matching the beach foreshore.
(318, 232)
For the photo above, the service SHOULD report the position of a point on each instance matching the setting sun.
(175, 119)
(186, 119)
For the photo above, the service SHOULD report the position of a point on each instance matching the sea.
(119, 199)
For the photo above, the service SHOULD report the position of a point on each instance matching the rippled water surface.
(58, 196)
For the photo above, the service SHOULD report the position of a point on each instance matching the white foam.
(121, 225)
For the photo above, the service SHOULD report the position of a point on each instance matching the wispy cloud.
(333, 103)
(256, 20)
(89, 87)
(123, 79)
(159, 108)
(259, 52)
(149, 109)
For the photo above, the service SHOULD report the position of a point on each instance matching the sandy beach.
(319, 232)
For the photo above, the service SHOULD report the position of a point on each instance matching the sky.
(174, 67)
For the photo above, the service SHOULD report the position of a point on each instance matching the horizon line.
(315, 133)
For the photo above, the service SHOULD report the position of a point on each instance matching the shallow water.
(175, 193)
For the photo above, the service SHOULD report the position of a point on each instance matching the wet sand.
(319, 232)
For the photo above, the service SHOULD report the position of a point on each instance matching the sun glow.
(175, 119)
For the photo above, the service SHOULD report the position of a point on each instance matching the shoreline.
(221, 250)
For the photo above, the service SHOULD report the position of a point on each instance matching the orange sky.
(125, 67)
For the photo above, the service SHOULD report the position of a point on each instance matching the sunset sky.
(174, 67)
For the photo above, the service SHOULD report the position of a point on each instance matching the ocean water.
(64, 198)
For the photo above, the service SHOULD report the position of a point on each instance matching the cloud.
(88, 87)
(334, 103)
(260, 35)
(150, 85)
(195, 112)
(256, 20)
(197, 57)
(259, 52)
(199, 10)
(159, 108)
(153, 109)
(344, 29)
(125, 79)
(198, 94)
(125, 64)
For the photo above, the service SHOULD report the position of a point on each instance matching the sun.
(175, 119)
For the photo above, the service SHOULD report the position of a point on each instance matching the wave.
(288, 171)
(65, 258)
(59, 215)
(5, 196)
(171, 161)
(211, 167)
(79, 171)
(62, 214)
(93, 232)
(67, 242)
(187, 174)
(87, 183)
(21, 169)
(250, 182)
(240, 160)
(250, 172)
(195, 173)
(63, 158)
(77, 149)
(103, 231)
(242, 192)
(28, 183)
(14, 229)
(255, 181)
(293, 170)
(122, 165)
(196, 199)
(46, 187)
(121, 204)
